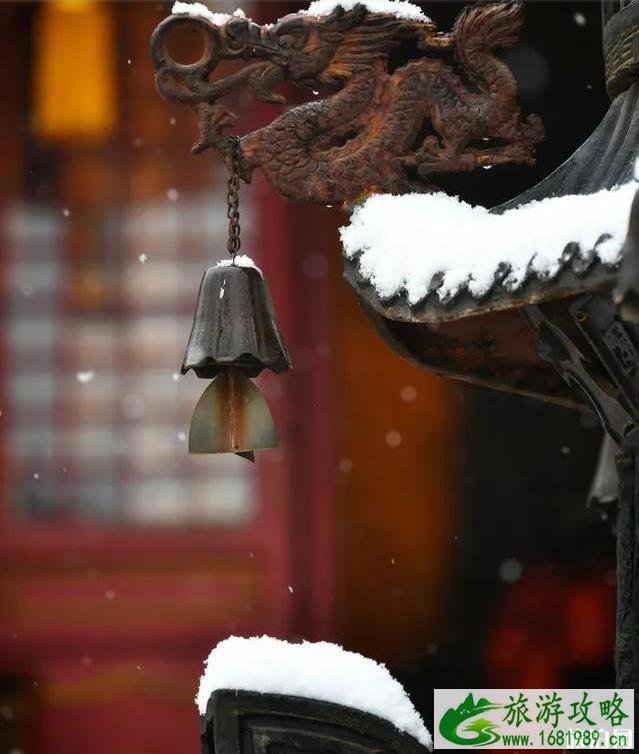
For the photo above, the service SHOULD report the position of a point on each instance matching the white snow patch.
(398, 8)
(199, 10)
(241, 260)
(84, 377)
(319, 670)
(405, 241)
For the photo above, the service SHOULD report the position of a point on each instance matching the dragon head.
(328, 49)
(307, 49)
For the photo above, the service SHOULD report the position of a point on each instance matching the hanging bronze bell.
(234, 337)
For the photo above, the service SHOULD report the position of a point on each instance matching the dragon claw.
(213, 121)
(223, 118)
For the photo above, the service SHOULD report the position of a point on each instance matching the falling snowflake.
(290, 589)
(66, 212)
(181, 436)
(142, 258)
(579, 19)
(176, 376)
(345, 465)
(7, 712)
(393, 438)
(510, 570)
(85, 376)
(408, 393)
(172, 194)
(36, 476)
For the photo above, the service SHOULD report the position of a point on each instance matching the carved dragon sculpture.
(406, 103)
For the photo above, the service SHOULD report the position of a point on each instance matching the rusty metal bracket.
(616, 343)
(395, 110)
(580, 371)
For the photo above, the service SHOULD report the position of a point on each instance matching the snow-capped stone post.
(262, 693)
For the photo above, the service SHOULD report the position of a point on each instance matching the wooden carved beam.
(440, 103)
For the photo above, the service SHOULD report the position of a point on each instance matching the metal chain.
(233, 199)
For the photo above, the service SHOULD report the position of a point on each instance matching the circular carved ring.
(171, 75)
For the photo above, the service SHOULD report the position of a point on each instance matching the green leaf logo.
(480, 732)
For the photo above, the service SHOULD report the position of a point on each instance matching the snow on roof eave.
(432, 310)
(434, 258)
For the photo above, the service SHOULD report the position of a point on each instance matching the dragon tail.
(477, 32)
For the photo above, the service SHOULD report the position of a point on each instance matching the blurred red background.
(435, 527)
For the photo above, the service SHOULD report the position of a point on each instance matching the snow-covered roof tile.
(433, 247)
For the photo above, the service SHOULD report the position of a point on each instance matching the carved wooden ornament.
(403, 103)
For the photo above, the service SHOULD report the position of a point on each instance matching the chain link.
(233, 199)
